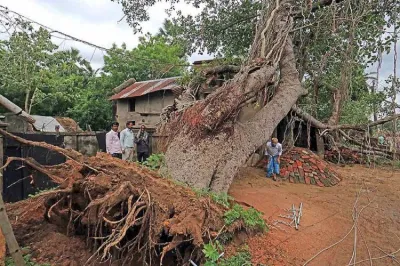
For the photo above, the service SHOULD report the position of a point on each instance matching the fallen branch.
(352, 140)
(318, 124)
(70, 154)
(35, 165)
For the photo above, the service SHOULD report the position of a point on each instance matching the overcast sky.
(96, 21)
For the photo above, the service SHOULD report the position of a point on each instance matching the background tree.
(37, 75)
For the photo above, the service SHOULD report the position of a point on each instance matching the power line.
(5, 10)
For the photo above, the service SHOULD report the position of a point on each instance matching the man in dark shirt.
(142, 142)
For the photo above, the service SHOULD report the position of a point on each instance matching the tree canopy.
(334, 45)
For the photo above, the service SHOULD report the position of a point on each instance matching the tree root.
(130, 213)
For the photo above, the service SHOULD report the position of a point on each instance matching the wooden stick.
(8, 233)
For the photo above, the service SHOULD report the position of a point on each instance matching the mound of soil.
(46, 242)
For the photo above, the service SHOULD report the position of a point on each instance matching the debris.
(303, 166)
(294, 217)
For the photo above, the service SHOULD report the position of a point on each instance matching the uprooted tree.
(129, 214)
(209, 140)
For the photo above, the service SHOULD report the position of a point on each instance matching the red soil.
(327, 217)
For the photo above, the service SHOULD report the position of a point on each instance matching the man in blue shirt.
(127, 142)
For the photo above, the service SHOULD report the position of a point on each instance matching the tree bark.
(225, 144)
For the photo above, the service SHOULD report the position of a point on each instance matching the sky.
(96, 21)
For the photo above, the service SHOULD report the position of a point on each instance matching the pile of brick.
(300, 165)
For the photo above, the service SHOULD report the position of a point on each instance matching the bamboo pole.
(12, 244)
(16, 109)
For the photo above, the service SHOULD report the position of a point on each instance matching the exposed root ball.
(126, 211)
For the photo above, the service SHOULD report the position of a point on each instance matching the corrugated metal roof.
(46, 123)
(145, 87)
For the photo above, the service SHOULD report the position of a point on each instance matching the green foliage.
(250, 217)
(28, 261)
(213, 250)
(153, 58)
(41, 79)
(242, 258)
(155, 161)
(221, 198)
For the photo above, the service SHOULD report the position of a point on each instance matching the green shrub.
(242, 258)
(220, 198)
(28, 262)
(213, 250)
(250, 217)
(155, 161)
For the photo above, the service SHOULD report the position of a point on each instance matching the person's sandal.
(274, 178)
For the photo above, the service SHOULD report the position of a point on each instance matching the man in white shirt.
(113, 145)
(127, 143)
(273, 153)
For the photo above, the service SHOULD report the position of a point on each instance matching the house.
(142, 102)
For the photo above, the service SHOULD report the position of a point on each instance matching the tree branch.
(221, 69)
(318, 124)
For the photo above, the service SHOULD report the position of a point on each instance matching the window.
(132, 105)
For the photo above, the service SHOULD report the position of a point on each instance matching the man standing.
(127, 143)
(113, 145)
(142, 141)
(273, 152)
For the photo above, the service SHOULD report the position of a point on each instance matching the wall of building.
(147, 109)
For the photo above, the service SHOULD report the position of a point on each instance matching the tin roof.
(145, 87)
(46, 123)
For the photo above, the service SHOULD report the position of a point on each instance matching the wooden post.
(5, 226)
(2, 126)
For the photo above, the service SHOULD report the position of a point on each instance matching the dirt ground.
(327, 217)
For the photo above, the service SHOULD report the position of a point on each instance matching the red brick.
(305, 157)
(299, 163)
(323, 176)
(301, 172)
(308, 180)
(319, 183)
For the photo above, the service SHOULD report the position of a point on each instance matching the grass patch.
(28, 261)
(220, 198)
(213, 252)
(250, 217)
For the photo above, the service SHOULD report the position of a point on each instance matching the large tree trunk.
(208, 144)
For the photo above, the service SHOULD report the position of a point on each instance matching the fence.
(16, 177)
